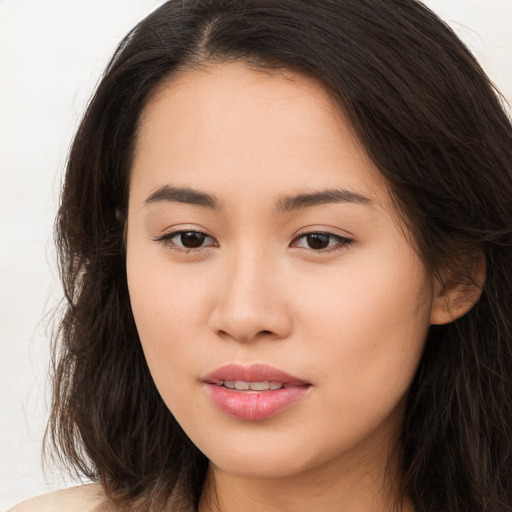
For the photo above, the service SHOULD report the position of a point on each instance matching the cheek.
(166, 297)
(370, 323)
(170, 311)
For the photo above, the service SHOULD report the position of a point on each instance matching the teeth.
(259, 386)
(241, 385)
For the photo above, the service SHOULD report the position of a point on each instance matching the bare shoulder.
(83, 498)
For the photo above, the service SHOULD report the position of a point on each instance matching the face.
(281, 308)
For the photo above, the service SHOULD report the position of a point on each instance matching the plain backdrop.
(52, 53)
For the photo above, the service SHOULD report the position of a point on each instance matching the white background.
(51, 55)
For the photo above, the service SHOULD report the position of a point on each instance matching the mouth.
(241, 385)
(256, 377)
(254, 392)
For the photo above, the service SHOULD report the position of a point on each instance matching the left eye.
(187, 240)
(320, 241)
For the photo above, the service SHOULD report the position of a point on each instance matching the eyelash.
(341, 242)
(167, 240)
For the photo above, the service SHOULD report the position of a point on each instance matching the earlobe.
(458, 294)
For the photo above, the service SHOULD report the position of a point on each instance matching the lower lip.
(253, 405)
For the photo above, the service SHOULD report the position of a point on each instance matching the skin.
(350, 319)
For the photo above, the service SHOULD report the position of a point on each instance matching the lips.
(254, 392)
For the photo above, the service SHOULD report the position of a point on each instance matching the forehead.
(231, 125)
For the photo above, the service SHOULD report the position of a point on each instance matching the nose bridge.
(250, 303)
(250, 278)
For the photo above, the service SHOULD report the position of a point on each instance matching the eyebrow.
(327, 196)
(167, 193)
(182, 195)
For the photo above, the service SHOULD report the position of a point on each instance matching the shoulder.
(83, 498)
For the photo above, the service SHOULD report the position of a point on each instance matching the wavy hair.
(434, 126)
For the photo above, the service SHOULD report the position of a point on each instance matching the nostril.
(243, 321)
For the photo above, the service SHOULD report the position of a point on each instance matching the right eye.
(187, 240)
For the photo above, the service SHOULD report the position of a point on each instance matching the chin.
(277, 457)
(279, 467)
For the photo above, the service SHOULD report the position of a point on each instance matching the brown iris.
(192, 239)
(317, 240)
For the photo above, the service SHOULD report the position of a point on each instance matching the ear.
(458, 292)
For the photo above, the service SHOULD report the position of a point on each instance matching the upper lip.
(252, 373)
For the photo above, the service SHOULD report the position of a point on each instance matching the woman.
(285, 236)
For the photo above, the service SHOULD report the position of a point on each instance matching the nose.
(251, 300)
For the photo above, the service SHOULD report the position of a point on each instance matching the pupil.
(192, 239)
(318, 241)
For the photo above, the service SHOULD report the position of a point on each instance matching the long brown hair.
(433, 125)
